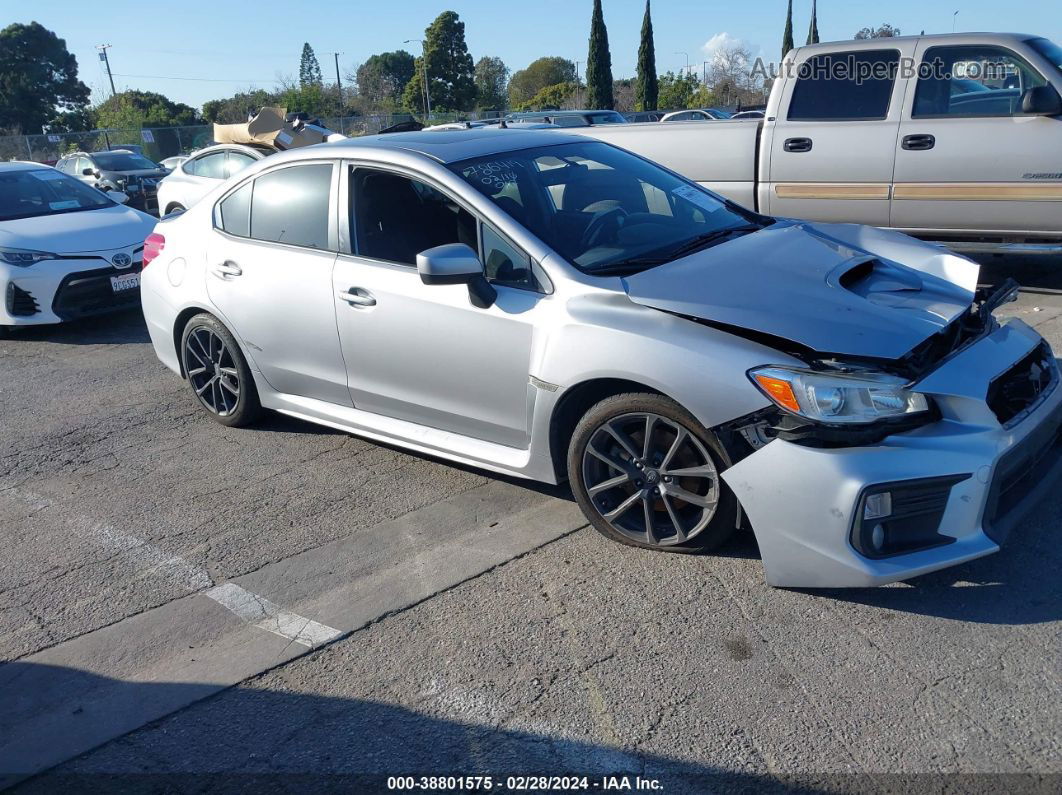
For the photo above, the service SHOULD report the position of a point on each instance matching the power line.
(199, 79)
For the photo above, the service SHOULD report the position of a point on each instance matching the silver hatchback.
(554, 308)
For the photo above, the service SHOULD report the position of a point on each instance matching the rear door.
(968, 157)
(833, 151)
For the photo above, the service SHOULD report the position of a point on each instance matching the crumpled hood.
(834, 288)
(105, 229)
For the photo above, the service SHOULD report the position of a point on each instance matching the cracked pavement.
(119, 500)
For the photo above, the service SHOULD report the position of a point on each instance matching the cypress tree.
(646, 91)
(813, 31)
(599, 64)
(309, 69)
(787, 37)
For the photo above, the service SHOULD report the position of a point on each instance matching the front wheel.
(218, 373)
(646, 473)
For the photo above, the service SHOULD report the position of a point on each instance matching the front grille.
(1020, 471)
(90, 293)
(1022, 386)
(20, 303)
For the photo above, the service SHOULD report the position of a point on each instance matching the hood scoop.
(800, 283)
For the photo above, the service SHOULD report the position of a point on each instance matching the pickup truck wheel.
(646, 473)
(218, 373)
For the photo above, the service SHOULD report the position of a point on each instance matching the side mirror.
(119, 196)
(88, 172)
(1042, 101)
(456, 263)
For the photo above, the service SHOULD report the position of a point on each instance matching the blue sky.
(223, 47)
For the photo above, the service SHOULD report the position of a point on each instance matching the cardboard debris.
(270, 128)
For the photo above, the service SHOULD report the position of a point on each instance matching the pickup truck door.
(968, 158)
(832, 146)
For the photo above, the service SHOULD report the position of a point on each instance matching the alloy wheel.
(212, 371)
(650, 478)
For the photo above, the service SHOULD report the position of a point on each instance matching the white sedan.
(204, 171)
(66, 250)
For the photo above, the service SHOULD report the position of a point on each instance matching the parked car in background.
(571, 118)
(120, 170)
(67, 250)
(696, 114)
(203, 171)
(748, 114)
(644, 115)
(914, 150)
(551, 307)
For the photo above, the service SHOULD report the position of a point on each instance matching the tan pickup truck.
(954, 138)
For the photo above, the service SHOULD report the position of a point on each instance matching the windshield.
(45, 191)
(121, 161)
(1049, 50)
(604, 209)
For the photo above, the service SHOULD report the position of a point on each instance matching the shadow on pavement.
(120, 328)
(1034, 273)
(252, 740)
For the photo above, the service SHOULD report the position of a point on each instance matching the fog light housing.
(902, 517)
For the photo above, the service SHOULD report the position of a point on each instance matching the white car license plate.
(128, 281)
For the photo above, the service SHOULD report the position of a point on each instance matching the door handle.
(918, 143)
(797, 145)
(227, 268)
(358, 297)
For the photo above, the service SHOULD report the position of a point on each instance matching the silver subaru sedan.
(554, 308)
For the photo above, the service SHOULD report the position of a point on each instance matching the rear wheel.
(646, 473)
(218, 373)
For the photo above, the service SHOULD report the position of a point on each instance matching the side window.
(234, 212)
(211, 166)
(504, 263)
(397, 217)
(237, 162)
(852, 86)
(82, 164)
(972, 81)
(64, 166)
(291, 206)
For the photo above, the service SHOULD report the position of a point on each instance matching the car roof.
(957, 39)
(21, 165)
(451, 146)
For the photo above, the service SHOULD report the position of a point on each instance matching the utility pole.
(687, 60)
(424, 64)
(103, 57)
(339, 85)
(704, 76)
(578, 85)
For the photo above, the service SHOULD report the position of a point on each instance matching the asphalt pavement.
(183, 604)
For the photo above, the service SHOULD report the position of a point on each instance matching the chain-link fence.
(158, 143)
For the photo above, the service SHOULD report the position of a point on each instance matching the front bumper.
(803, 502)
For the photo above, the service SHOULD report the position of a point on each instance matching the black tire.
(656, 516)
(217, 372)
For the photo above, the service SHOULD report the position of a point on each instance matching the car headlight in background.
(832, 398)
(23, 258)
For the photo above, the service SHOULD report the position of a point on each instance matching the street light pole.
(953, 18)
(424, 64)
(680, 52)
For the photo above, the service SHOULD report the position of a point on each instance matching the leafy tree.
(599, 63)
(234, 109)
(37, 76)
(540, 74)
(451, 72)
(492, 75)
(813, 29)
(886, 31)
(553, 97)
(787, 36)
(136, 109)
(677, 91)
(383, 77)
(309, 68)
(647, 89)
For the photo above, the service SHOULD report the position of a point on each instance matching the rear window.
(851, 86)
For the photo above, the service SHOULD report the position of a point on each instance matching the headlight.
(23, 258)
(830, 398)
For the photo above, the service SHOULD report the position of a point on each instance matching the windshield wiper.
(705, 240)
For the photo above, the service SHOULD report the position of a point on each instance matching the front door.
(968, 158)
(423, 353)
(269, 272)
(831, 157)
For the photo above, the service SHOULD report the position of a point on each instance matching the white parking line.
(262, 613)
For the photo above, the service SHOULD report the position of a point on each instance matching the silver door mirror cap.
(453, 263)
(119, 196)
